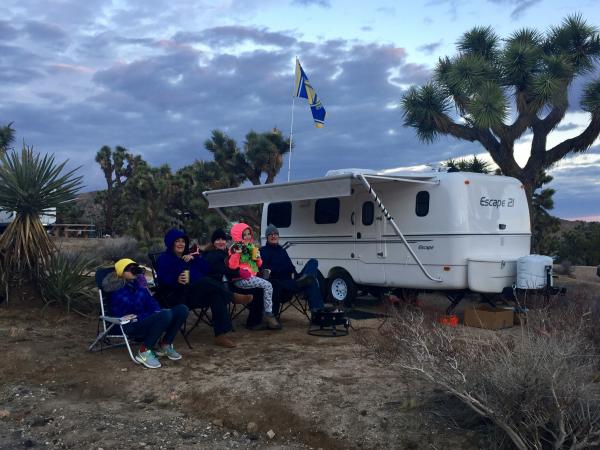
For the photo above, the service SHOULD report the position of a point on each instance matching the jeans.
(286, 287)
(150, 329)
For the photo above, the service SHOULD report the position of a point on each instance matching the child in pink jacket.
(244, 255)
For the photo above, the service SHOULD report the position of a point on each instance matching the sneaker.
(242, 299)
(223, 341)
(168, 351)
(148, 359)
(272, 322)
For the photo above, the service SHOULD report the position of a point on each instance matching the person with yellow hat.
(129, 296)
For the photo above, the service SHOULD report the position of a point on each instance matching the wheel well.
(336, 270)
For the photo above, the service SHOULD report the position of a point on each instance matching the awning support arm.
(391, 220)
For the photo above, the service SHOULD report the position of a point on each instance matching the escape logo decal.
(497, 202)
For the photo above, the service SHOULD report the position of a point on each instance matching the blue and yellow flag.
(305, 90)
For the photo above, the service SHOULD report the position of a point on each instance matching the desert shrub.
(68, 280)
(536, 385)
(112, 249)
(566, 268)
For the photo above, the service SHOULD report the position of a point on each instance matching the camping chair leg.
(100, 337)
(128, 346)
(185, 338)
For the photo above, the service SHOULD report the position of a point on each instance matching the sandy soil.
(312, 392)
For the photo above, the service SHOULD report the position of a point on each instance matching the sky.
(157, 77)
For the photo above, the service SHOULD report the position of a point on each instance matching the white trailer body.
(464, 230)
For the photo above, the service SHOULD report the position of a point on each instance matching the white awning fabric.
(334, 186)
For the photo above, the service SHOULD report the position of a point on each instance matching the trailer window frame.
(327, 211)
(368, 213)
(279, 214)
(422, 203)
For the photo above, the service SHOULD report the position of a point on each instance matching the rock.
(270, 434)
(218, 422)
(124, 369)
(148, 398)
(252, 427)
(235, 434)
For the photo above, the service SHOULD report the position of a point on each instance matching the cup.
(266, 274)
(186, 274)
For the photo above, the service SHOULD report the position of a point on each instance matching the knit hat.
(218, 234)
(122, 264)
(271, 229)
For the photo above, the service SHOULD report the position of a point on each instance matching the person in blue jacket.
(185, 278)
(130, 298)
(283, 274)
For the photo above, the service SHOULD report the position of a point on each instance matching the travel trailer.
(48, 218)
(454, 232)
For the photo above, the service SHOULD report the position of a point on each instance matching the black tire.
(341, 288)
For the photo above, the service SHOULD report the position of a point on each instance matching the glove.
(245, 274)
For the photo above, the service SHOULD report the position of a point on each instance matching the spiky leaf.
(425, 109)
(590, 101)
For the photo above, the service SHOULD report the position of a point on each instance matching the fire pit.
(329, 322)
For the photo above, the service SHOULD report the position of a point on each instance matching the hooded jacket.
(169, 266)
(249, 259)
(128, 297)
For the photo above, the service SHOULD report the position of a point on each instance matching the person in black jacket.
(216, 256)
(184, 277)
(284, 277)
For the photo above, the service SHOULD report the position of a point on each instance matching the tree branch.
(576, 144)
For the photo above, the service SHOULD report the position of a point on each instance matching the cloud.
(230, 35)
(7, 31)
(322, 3)
(520, 6)
(430, 48)
(148, 77)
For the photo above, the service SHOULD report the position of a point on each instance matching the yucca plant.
(29, 186)
(66, 281)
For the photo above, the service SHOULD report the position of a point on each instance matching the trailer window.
(280, 214)
(422, 206)
(327, 210)
(368, 213)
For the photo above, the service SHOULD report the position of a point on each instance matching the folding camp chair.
(163, 296)
(297, 301)
(110, 331)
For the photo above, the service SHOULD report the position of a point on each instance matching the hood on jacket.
(112, 283)
(172, 235)
(238, 229)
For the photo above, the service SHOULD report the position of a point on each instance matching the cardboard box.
(489, 318)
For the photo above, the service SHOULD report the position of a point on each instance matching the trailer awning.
(334, 186)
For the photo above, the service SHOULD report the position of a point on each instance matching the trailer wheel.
(342, 288)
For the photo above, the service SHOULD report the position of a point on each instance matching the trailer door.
(369, 245)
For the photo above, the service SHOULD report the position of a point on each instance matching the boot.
(272, 322)
(223, 341)
(242, 299)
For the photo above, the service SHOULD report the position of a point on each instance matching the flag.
(303, 89)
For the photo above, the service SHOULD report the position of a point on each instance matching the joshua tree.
(29, 186)
(7, 137)
(500, 92)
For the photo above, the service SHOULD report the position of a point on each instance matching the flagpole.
(291, 137)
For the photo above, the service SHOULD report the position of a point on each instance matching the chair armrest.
(118, 320)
